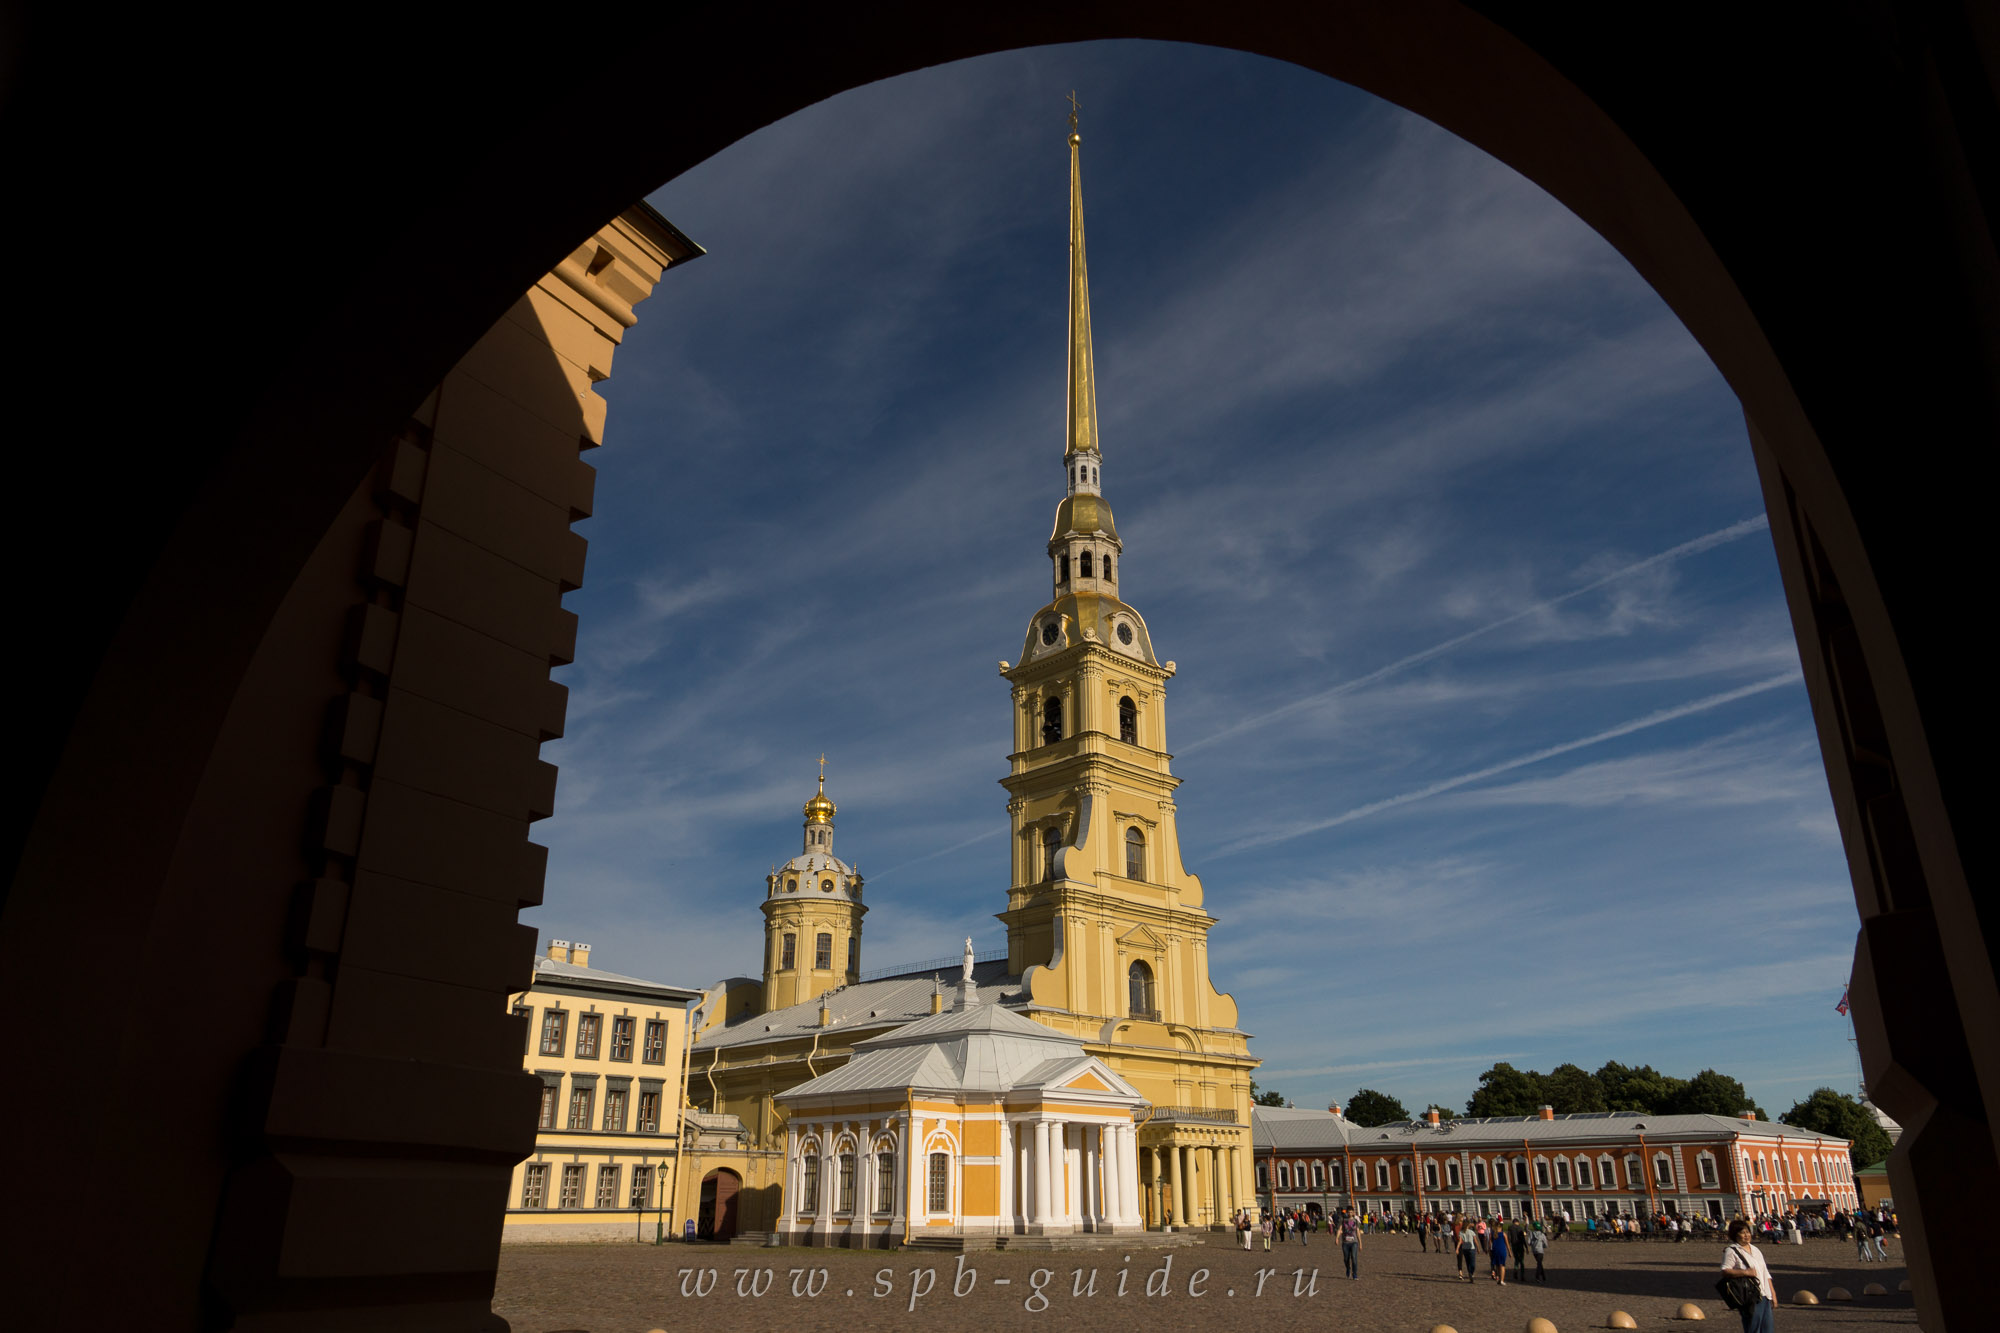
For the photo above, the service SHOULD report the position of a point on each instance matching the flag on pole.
(1841, 1008)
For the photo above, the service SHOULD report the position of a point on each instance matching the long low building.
(1590, 1164)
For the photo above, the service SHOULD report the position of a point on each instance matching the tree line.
(1568, 1088)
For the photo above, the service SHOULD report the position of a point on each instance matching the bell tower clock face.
(1125, 634)
(1049, 631)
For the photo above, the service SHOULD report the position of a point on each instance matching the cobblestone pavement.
(1215, 1285)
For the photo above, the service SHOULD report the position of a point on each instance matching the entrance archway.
(717, 1218)
(1820, 215)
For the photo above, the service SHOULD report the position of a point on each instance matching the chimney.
(1333, 1108)
(580, 954)
(559, 951)
(1432, 1116)
(1548, 1112)
(1749, 1113)
(825, 1015)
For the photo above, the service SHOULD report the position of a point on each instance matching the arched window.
(1083, 564)
(1430, 1175)
(1107, 567)
(790, 956)
(1062, 568)
(823, 951)
(1403, 1174)
(1135, 854)
(1451, 1174)
(1381, 1175)
(1285, 1176)
(1500, 1173)
(1051, 844)
(1479, 1173)
(1542, 1174)
(1052, 721)
(1361, 1175)
(854, 955)
(1128, 721)
(1139, 982)
(940, 1183)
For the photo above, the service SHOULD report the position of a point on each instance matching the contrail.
(1522, 761)
(1711, 540)
(942, 851)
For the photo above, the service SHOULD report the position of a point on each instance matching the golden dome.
(1084, 513)
(819, 810)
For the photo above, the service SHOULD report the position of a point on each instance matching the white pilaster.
(1044, 1184)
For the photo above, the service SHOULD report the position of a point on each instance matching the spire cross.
(1073, 105)
(822, 772)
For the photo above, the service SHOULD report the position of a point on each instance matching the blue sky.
(1490, 722)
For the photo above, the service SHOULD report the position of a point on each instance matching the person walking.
(1499, 1252)
(1517, 1249)
(1539, 1243)
(1350, 1248)
(1468, 1251)
(1267, 1235)
(1305, 1229)
(1861, 1239)
(1743, 1259)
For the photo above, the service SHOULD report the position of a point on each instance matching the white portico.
(976, 1122)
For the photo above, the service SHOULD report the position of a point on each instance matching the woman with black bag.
(1746, 1283)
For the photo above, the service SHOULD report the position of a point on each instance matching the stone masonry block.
(514, 439)
(453, 754)
(477, 503)
(398, 1017)
(393, 925)
(346, 1097)
(480, 590)
(446, 662)
(415, 835)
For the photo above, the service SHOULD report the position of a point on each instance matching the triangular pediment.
(1086, 1082)
(1139, 937)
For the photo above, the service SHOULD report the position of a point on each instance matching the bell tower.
(1105, 925)
(812, 914)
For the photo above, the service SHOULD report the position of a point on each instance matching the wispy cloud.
(1653, 719)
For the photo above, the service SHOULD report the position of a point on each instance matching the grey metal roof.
(577, 977)
(980, 1047)
(1285, 1129)
(865, 1006)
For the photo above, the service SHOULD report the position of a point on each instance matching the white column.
(864, 1185)
(1073, 1174)
(1107, 1168)
(1006, 1173)
(1128, 1172)
(829, 1179)
(792, 1171)
(1043, 1181)
(902, 1164)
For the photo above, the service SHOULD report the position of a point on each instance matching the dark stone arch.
(1821, 216)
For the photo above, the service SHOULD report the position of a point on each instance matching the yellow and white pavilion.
(973, 1122)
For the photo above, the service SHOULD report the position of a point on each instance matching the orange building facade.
(1586, 1165)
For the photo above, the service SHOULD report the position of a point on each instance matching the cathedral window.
(1107, 567)
(854, 955)
(845, 1198)
(826, 886)
(1052, 721)
(791, 886)
(1135, 854)
(1051, 844)
(1128, 721)
(885, 1180)
(1062, 569)
(789, 959)
(1083, 563)
(940, 1182)
(1139, 983)
(809, 1187)
(823, 951)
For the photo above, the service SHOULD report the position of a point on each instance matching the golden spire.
(1082, 427)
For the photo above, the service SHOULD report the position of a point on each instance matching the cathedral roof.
(1089, 617)
(983, 1047)
(1083, 514)
(868, 1006)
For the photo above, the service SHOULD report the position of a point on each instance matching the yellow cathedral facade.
(1093, 1080)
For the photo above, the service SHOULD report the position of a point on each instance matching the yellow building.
(1107, 933)
(611, 1052)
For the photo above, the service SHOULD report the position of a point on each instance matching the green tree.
(1505, 1090)
(1710, 1093)
(1638, 1089)
(1271, 1098)
(1570, 1088)
(1369, 1107)
(1836, 1113)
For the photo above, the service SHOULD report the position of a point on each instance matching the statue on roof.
(966, 975)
